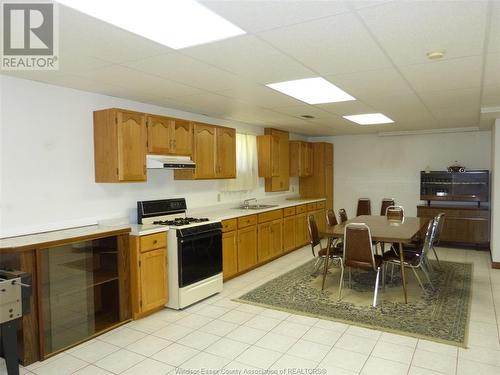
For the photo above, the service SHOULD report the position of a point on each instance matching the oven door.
(200, 256)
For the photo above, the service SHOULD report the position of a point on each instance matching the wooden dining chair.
(415, 258)
(342, 215)
(359, 253)
(364, 207)
(386, 202)
(323, 254)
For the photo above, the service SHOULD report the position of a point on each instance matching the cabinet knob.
(155, 241)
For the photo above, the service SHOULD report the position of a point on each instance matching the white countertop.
(144, 229)
(227, 211)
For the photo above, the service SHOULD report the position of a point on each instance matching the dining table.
(384, 230)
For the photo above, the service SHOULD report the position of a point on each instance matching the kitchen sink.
(256, 206)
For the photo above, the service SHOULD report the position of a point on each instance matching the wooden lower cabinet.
(301, 230)
(463, 225)
(247, 247)
(290, 236)
(148, 268)
(229, 254)
(270, 239)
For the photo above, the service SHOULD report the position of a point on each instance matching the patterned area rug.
(440, 315)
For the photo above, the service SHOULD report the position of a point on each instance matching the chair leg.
(341, 284)
(375, 293)
(317, 266)
(418, 278)
(350, 278)
(392, 273)
(427, 276)
(325, 271)
(437, 258)
(383, 277)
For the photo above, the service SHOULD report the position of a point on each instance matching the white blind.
(246, 165)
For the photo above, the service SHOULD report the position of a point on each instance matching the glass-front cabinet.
(80, 291)
(472, 186)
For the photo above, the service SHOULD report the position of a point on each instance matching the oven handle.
(199, 235)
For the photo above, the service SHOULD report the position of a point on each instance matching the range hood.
(169, 162)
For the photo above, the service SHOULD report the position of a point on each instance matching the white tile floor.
(219, 333)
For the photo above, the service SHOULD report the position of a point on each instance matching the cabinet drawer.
(153, 241)
(301, 209)
(271, 215)
(289, 211)
(246, 221)
(311, 206)
(320, 205)
(229, 225)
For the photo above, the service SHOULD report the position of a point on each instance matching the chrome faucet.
(246, 202)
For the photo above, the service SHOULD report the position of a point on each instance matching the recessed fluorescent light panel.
(174, 23)
(369, 119)
(312, 90)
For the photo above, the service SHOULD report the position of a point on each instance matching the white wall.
(495, 198)
(378, 167)
(47, 161)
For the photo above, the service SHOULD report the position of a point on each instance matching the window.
(246, 165)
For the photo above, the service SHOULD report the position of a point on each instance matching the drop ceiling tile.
(138, 82)
(250, 58)
(304, 109)
(261, 96)
(256, 15)
(445, 75)
(457, 116)
(402, 103)
(333, 45)
(352, 107)
(451, 98)
(492, 70)
(89, 36)
(374, 82)
(257, 115)
(491, 96)
(494, 32)
(409, 29)
(180, 68)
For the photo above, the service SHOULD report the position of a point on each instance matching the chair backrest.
(395, 213)
(358, 250)
(429, 237)
(364, 207)
(313, 233)
(440, 221)
(386, 202)
(342, 215)
(330, 218)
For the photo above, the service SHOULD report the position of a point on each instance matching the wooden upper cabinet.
(204, 150)
(183, 137)
(273, 157)
(301, 159)
(214, 153)
(226, 153)
(169, 136)
(268, 147)
(160, 135)
(120, 138)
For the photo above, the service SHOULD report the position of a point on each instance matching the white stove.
(194, 247)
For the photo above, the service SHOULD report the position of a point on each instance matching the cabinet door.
(276, 237)
(183, 137)
(264, 244)
(275, 156)
(229, 254)
(289, 233)
(308, 159)
(153, 276)
(132, 138)
(301, 231)
(226, 153)
(160, 132)
(247, 247)
(204, 143)
(320, 218)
